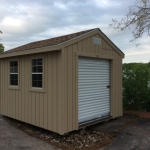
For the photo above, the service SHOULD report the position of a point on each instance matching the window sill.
(37, 90)
(14, 88)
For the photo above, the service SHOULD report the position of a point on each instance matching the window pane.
(15, 70)
(34, 84)
(14, 79)
(11, 63)
(40, 84)
(37, 65)
(11, 82)
(34, 69)
(39, 77)
(35, 77)
(39, 62)
(11, 70)
(16, 76)
(39, 68)
(11, 76)
(33, 62)
(15, 82)
(13, 67)
(15, 63)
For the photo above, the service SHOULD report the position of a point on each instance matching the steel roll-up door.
(93, 89)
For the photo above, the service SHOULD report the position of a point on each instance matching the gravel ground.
(76, 140)
(11, 138)
(124, 133)
(11, 130)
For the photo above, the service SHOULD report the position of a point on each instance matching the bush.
(136, 87)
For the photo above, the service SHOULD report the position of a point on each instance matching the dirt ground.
(129, 132)
(142, 114)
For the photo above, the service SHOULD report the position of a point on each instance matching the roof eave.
(114, 46)
(30, 51)
(44, 49)
(60, 46)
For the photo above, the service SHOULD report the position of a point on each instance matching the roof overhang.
(30, 51)
(62, 45)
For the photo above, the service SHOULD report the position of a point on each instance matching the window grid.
(96, 40)
(37, 73)
(14, 73)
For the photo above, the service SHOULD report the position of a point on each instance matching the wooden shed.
(63, 83)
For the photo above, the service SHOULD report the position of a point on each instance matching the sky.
(27, 21)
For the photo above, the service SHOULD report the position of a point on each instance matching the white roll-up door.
(93, 89)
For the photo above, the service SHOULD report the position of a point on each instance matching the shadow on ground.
(125, 133)
(132, 133)
(11, 138)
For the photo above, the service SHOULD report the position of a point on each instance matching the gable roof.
(48, 42)
(56, 44)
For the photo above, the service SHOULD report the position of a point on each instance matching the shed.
(63, 83)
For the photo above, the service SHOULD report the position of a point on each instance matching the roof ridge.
(56, 40)
(61, 36)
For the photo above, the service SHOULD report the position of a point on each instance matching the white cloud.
(8, 21)
(107, 3)
(134, 53)
(60, 5)
(26, 21)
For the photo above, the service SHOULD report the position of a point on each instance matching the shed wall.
(70, 75)
(43, 108)
(56, 108)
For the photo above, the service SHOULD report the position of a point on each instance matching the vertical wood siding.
(69, 79)
(42, 109)
(56, 109)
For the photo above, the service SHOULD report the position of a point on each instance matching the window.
(37, 72)
(96, 40)
(14, 73)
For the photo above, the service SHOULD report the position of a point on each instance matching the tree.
(137, 19)
(1, 46)
(136, 86)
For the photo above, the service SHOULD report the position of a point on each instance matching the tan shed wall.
(70, 78)
(43, 108)
(56, 107)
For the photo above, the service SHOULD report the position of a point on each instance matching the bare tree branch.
(137, 19)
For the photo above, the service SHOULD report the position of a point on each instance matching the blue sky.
(25, 21)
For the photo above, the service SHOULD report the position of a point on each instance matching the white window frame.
(37, 73)
(97, 41)
(14, 73)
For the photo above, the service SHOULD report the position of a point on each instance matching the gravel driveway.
(12, 138)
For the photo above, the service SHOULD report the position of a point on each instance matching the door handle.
(108, 86)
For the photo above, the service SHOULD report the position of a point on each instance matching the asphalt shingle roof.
(48, 42)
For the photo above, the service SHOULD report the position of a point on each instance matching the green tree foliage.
(136, 86)
(1, 46)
